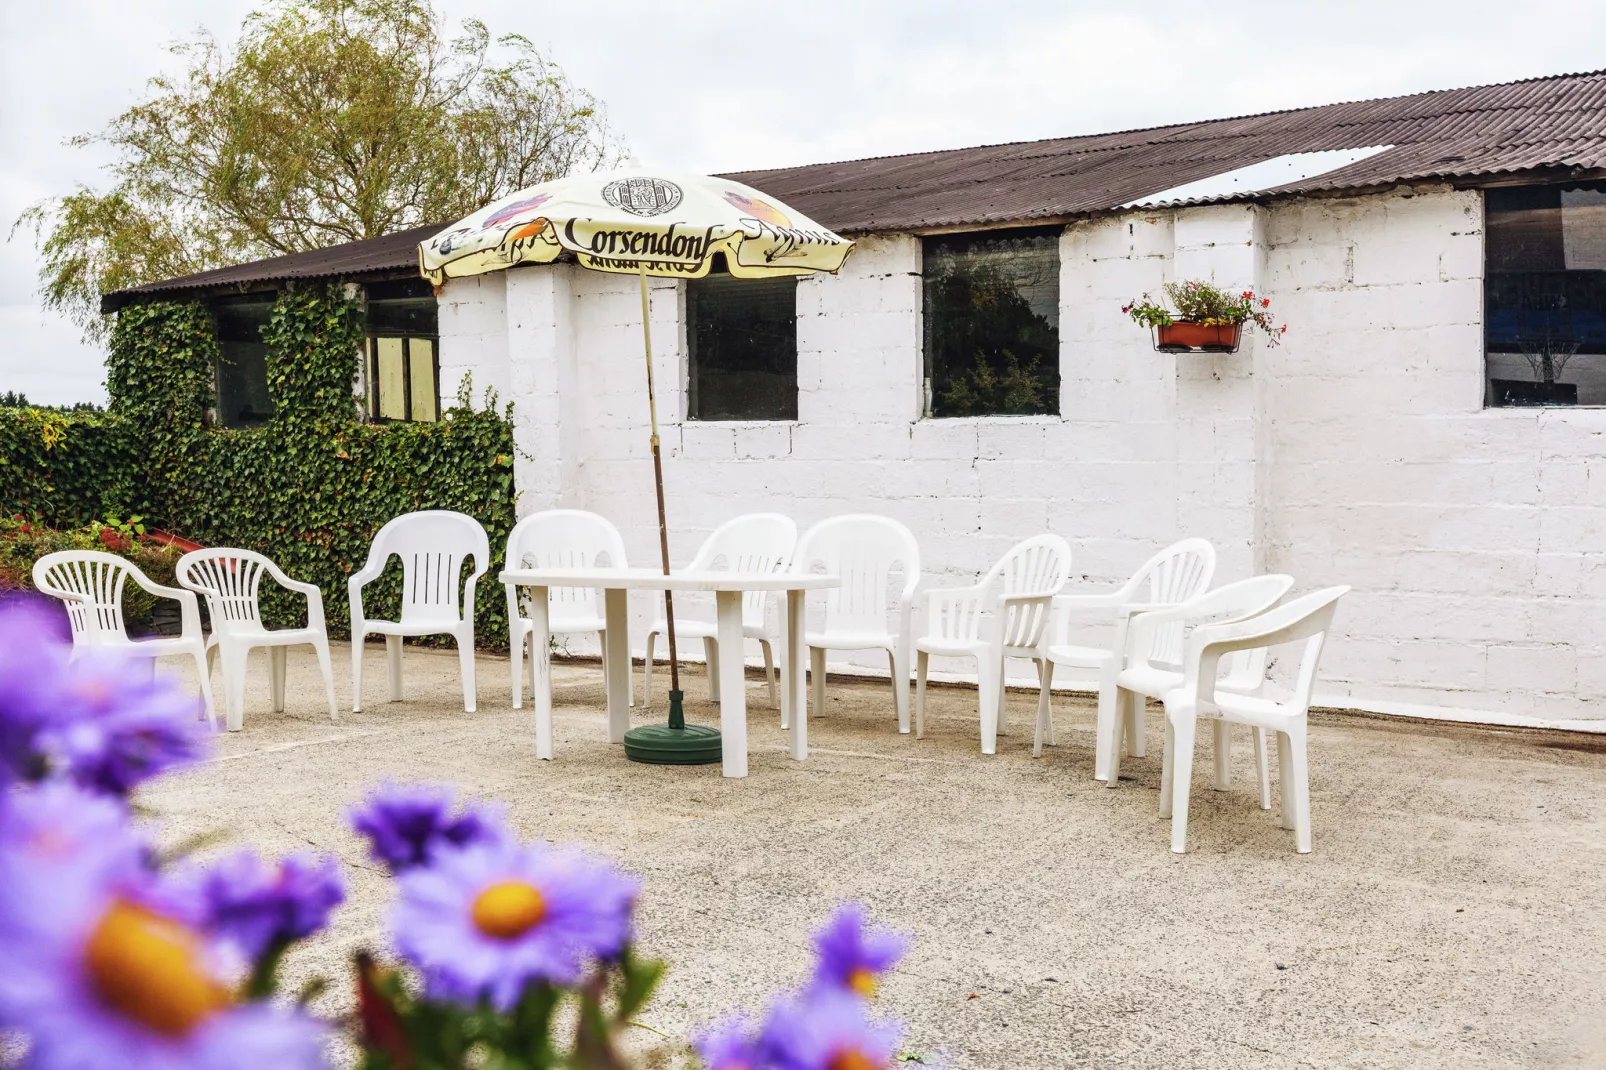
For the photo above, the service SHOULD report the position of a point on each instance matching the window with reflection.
(741, 338)
(403, 342)
(242, 358)
(992, 323)
(1545, 294)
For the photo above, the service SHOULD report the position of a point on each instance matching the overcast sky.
(712, 85)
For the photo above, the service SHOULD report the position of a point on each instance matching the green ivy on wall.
(309, 488)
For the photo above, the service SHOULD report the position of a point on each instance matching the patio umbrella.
(640, 222)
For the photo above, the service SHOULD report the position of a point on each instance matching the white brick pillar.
(1220, 434)
(473, 337)
(543, 383)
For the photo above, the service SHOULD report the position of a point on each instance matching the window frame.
(1053, 234)
(1489, 346)
(693, 393)
(214, 303)
(371, 343)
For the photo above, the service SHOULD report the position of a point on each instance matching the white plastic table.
(728, 588)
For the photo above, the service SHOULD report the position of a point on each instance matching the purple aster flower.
(852, 956)
(260, 906)
(484, 922)
(408, 826)
(114, 725)
(827, 1030)
(104, 968)
(732, 1044)
(33, 655)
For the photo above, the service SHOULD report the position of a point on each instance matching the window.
(741, 336)
(1544, 293)
(403, 335)
(992, 323)
(242, 369)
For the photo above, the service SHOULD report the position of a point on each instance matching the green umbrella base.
(658, 744)
(675, 743)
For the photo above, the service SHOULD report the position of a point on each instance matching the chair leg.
(1138, 727)
(203, 671)
(320, 646)
(356, 673)
(1181, 780)
(607, 678)
(1262, 769)
(465, 662)
(1168, 760)
(1003, 699)
(393, 656)
(900, 687)
(1221, 737)
(1042, 708)
(1299, 775)
(711, 656)
(817, 678)
(515, 646)
(769, 674)
(1105, 727)
(921, 659)
(1285, 785)
(988, 673)
(234, 664)
(1112, 762)
(276, 659)
(646, 671)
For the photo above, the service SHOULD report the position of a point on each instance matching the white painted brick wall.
(1357, 452)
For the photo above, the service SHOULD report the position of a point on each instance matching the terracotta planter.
(1185, 337)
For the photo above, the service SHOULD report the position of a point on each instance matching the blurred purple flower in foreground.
(33, 653)
(483, 922)
(106, 967)
(852, 956)
(827, 1030)
(410, 826)
(730, 1045)
(99, 719)
(260, 906)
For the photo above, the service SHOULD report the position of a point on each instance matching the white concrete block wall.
(1357, 452)
(474, 338)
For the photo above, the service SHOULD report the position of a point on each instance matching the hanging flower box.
(1185, 336)
(1202, 318)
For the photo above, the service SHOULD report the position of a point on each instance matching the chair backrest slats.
(567, 538)
(432, 545)
(1177, 574)
(98, 579)
(754, 542)
(863, 550)
(230, 580)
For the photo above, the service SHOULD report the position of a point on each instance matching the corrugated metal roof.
(1464, 134)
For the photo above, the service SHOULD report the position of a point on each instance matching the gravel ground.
(1451, 914)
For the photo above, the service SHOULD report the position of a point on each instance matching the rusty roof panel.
(1469, 134)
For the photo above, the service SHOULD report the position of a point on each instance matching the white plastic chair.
(229, 581)
(1307, 618)
(1003, 616)
(433, 546)
(1174, 575)
(560, 538)
(863, 550)
(757, 542)
(1151, 668)
(91, 584)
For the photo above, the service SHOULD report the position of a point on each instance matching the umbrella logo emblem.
(763, 211)
(642, 196)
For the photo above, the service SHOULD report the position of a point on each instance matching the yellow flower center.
(853, 1059)
(508, 910)
(147, 968)
(862, 981)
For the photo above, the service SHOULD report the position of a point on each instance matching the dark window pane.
(242, 372)
(1545, 295)
(742, 337)
(992, 323)
(407, 315)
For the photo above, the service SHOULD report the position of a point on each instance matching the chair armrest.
(65, 596)
(189, 606)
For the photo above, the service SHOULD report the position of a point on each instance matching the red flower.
(1264, 301)
(1249, 293)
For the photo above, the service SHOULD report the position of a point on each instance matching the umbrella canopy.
(637, 221)
(642, 223)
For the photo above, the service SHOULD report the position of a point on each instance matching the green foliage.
(309, 488)
(24, 541)
(327, 121)
(996, 385)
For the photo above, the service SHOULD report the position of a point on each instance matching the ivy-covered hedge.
(309, 488)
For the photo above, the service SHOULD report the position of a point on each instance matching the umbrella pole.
(676, 716)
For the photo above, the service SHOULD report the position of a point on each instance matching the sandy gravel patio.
(1453, 913)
